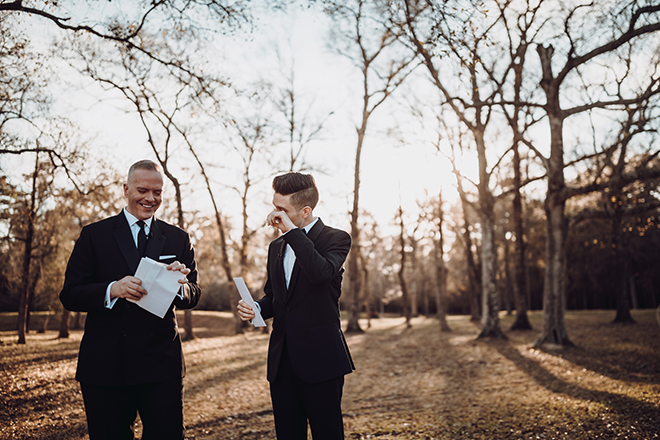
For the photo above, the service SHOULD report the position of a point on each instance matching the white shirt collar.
(132, 220)
(310, 226)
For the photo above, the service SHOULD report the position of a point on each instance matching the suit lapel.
(276, 267)
(313, 233)
(122, 233)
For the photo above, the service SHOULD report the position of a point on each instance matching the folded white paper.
(161, 285)
(257, 321)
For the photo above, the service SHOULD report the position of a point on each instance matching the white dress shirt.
(135, 229)
(290, 256)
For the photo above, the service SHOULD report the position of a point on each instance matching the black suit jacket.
(306, 315)
(125, 345)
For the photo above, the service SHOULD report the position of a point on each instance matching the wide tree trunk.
(490, 318)
(64, 324)
(520, 266)
(623, 289)
(554, 298)
(554, 291)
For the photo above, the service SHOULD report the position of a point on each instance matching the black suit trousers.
(112, 410)
(295, 402)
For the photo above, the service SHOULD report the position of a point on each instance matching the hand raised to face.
(280, 220)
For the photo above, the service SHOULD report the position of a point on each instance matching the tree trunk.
(474, 275)
(44, 324)
(27, 258)
(521, 285)
(441, 271)
(490, 318)
(226, 266)
(64, 324)
(508, 286)
(405, 294)
(554, 299)
(623, 290)
(354, 277)
(77, 324)
(554, 289)
(35, 275)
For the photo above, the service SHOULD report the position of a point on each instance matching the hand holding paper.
(161, 285)
(257, 321)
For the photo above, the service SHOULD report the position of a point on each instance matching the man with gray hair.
(130, 360)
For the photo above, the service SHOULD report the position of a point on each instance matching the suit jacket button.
(127, 306)
(123, 333)
(288, 309)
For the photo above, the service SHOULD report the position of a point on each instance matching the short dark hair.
(301, 187)
(144, 164)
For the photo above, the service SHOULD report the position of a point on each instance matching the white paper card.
(161, 285)
(258, 321)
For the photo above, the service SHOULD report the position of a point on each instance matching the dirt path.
(413, 383)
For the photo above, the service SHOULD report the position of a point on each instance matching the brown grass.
(413, 383)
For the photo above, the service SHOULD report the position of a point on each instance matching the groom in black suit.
(130, 361)
(307, 356)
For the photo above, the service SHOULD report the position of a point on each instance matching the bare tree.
(405, 293)
(465, 45)
(296, 109)
(373, 46)
(631, 27)
(141, 29)
(440, 266)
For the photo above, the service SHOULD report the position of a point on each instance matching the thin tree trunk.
(27, 258)
(226, 266)
(474, 275)
(441, 271)
(354, 278)
(508, 286)
(35, 275)
(521, 286)
(407, 312)
(189, 333)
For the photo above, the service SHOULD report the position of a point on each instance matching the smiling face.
(143, 190)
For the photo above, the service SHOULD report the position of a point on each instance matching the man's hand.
(280, 220)
(128, 287)
(245, 311)
(180, 267)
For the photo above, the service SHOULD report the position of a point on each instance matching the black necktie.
(142, 239)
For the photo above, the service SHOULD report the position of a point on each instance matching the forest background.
(484, 155)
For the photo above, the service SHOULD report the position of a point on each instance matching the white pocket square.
(166, 257)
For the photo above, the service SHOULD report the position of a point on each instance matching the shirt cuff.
(109, 303)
